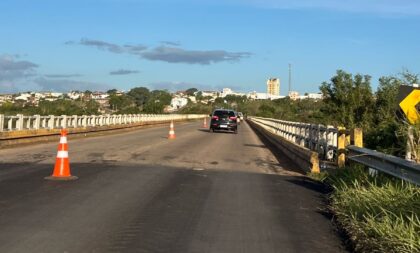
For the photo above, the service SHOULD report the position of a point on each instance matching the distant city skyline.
(103, 44)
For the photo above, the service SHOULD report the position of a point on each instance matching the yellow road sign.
(409, 105)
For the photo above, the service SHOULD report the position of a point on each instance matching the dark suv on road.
(223, 119)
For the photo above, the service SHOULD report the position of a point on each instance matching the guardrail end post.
(358, 137)
(315, 163)
(341, 159)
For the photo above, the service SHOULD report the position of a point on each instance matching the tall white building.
(273, 86)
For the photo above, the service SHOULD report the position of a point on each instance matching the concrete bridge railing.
(22, 129)
(316, 137)
(22, 122)
(309, 144)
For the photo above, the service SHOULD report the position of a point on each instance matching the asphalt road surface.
(140, 192)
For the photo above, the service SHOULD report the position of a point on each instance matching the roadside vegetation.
(376, 212)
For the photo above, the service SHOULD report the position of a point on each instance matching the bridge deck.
(139, 192)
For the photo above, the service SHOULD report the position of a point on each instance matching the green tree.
(141, 95)
(348, 100)
(199, 96)
(387, 135)
(159, 99)
(191, 91)
(121, 103)
(112, 91)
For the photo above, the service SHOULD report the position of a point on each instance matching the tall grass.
(380, 214)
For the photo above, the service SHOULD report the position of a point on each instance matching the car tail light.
(215, 117)
(232, 118)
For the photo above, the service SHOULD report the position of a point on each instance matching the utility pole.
(290, 77)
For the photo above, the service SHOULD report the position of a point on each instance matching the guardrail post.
(341, 159)
(410, 138)
(64, 121)
(44, 122)
(93, 121)
(19, 125)
(84, 121)
(101, 120)
(28, 122)
(51, 122)
(10, 124)
(37, 122)
(1, 122)
(75, 121)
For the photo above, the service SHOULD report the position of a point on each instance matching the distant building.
(54, 94)
(316, 96)
(193, 99)
(294, 95)
(260, 96)
(99, 95)
(213, 94)
(178, 102)
(6, 98)
(25, 97)
(273, 86)
(74, 95)
(225, 92)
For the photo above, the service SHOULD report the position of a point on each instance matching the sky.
(62, 45)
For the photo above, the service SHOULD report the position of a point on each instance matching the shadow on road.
(255, 145)
(283, 160)
(310, 184)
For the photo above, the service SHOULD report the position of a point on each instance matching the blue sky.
(102, 44)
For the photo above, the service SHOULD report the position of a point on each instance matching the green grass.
(321, 177)
(379, 214)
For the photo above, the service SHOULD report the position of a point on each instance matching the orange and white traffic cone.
(62, 165)
(171, 131)
(205, 123)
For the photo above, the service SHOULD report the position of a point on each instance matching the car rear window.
(224, 114)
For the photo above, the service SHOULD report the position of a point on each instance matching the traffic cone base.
(62, 165)
(55, 178)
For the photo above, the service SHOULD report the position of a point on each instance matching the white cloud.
(170, 54)
(14, 73)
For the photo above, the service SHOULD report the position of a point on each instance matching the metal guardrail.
(22, 122)
(323, 140)
(395, 166)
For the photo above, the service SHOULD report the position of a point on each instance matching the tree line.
(137, 100)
